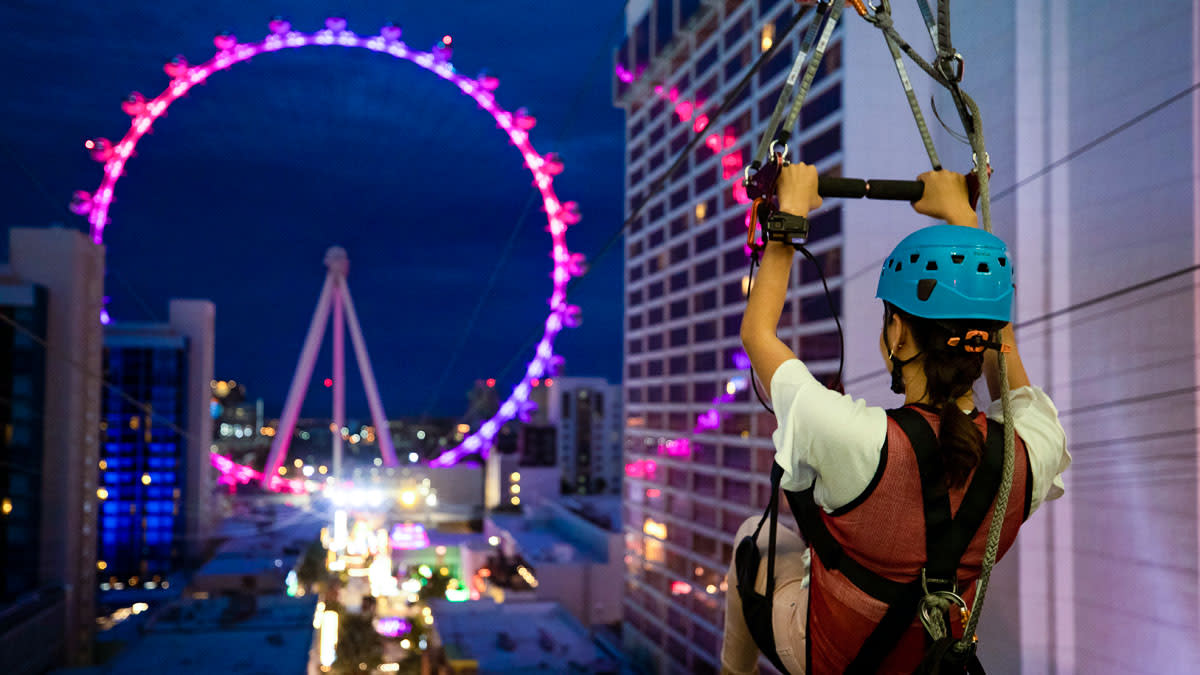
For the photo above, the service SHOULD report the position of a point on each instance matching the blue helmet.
(949, 272)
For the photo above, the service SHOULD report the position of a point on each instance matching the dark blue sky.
(239, 190)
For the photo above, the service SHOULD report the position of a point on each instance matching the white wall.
(197, 320)
(1105, 579)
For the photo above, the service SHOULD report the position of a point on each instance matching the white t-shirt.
(837, 441)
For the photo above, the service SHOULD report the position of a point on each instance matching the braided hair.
(950, 373)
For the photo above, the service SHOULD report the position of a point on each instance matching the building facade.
(1072, 172)
(22, 449)
(588, 417)
(70, 269)
(697, 450)
(154, 513)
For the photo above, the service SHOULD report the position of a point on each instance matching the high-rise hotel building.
(697, 443)
(697, 448)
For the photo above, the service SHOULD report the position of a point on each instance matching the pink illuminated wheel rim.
(516, 125)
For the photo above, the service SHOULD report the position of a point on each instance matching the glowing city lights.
(409, 536)
(527, 576)
(329, 636)
(392, 626)
(493, 540)
(768, 36)
(655, 528)
(102, 493)
(144, 111)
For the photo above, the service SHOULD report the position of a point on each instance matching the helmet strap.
(898, 370)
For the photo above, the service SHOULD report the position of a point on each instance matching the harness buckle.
(950, 585)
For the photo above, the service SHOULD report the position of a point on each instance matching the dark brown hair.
(950, 372)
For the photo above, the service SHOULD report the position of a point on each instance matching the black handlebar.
(875, 188)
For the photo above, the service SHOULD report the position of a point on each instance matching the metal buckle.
(951, 583)
(958, 63)
(927, 615)
(775, 154)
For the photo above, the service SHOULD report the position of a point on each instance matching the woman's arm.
(946, 198)
(1017, 377)
(797, 196)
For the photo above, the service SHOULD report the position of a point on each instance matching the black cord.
(837, 383)
(661, 181)
(753, 377)
(836, 321)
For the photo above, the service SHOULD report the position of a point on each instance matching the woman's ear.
(897, 332)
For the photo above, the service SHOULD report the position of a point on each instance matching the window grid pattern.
(697, 443)
(143, 461)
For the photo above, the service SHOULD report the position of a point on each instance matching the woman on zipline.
(947, 307)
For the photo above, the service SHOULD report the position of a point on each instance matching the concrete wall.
(31, 633)
(1105, 579)
(71, 267)
(196, 319)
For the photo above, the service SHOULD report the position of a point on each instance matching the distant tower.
(335, 294)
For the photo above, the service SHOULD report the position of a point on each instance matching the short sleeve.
(824, 436)
(1035, 419)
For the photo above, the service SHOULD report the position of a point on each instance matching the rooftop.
(539, 541)
(532, 637)
(220, 635)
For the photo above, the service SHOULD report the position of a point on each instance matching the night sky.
(237, 192)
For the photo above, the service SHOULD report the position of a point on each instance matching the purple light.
(409, 537)
(677, 447)
(392, 626)
(516, 126)
(234, 474)
(741, 361)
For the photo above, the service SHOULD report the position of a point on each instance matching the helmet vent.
(925, 288)
(1003, 261)
(957, 258)
(898, 266)
(983, 268)
(931, 266)
(891, 261)
(914, 258)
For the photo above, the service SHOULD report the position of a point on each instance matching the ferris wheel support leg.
(339, 381)
(382, 433)
(291, 408)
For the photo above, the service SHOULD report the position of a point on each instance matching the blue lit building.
(143, 457)
(155, 480)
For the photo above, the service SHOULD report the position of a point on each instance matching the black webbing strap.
(976, 503)
(757, 610)
(947, 537)
(833, 556)
(935, 493)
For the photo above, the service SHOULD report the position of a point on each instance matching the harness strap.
(975, 504)
(789, 85)
(947, 536)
